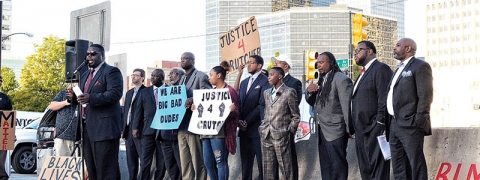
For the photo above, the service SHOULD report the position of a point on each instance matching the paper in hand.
(78, 92)
(384, 146)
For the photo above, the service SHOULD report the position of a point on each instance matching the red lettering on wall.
(443, 174)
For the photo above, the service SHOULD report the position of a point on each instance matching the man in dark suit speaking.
(368, 112)
(410, 94)
(102, 87)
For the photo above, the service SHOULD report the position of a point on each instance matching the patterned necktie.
(130, 108)
(85, 88)
(250, 83)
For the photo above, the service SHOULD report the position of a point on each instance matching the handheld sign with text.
(8, 122)
(170, 107)
(212, 107)
(61, 167)
(239, 43)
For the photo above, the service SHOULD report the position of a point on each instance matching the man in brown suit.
(281, 119)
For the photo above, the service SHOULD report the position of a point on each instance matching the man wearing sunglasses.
(102, 87)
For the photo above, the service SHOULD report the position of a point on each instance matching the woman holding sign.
(217, 147)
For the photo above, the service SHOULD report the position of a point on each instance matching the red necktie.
(85, 88)
(362, 70)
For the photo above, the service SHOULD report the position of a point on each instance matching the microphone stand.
(78, 113)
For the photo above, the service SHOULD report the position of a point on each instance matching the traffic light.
(75, 54)
(312, 65)
(358, 34)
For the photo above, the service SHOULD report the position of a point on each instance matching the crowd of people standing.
(264, 115)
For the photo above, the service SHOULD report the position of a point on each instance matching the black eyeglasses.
(360, 49)
(92, 53)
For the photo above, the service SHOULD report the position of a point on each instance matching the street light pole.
(5, 38)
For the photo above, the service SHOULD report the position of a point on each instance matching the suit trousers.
(172, 159)
(371, 163)
(133, 148)
(293, 152)
(276, 154)
(3, 158)
(191, 156)
(333, 157)
(63, 147)
(249, 149)
(151, 148)
(101, 157)
(408, 160)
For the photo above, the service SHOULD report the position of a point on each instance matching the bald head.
(404, 49)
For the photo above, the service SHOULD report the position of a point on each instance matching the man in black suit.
(169, 138)
(252, 105)
(368, 112)
(190, 146)
(102, 87)
(132, 139)
(145, 112)
(410, 94)
(284, 62)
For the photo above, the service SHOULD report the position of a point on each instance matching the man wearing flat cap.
(284, 62)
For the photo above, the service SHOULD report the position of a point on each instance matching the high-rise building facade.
(453, 51)
(296, 30)
(222, 15)
(6, 24)
(392, 9)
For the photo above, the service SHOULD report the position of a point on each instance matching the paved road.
(16, 176)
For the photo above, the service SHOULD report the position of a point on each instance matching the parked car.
(38, 134)
(23, 158)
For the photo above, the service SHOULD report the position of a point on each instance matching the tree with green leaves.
(42, 76)
(9, 84)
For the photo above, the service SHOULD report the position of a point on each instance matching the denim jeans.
(215, 156)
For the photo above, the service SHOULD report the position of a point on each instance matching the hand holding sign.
(210, 110)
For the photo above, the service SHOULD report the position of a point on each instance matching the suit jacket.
(128, 102)
(198, 80)
(294, 83)
(252, 105)
(334, 119)
(370, 97)
(145, 112)
(282, 114)
(412, 97)
(103, 111)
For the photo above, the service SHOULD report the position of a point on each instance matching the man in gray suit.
(368, 112)
(410, 95)
(190, 146)
(330, 99)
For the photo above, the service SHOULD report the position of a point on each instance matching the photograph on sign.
(170, 107)
(240, 42)
(61, 167)
(8, 120)
(212, 107)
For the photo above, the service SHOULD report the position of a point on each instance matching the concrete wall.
(446, 144)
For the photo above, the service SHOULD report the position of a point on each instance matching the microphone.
(80, 67)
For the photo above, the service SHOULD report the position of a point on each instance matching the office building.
(453, 51)
(321, 29)
(391, 9)
(6, 24)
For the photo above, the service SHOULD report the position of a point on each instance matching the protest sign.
(8, 122)
(170, 107)
(240, 42)
(212, 107)
(61, 167)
